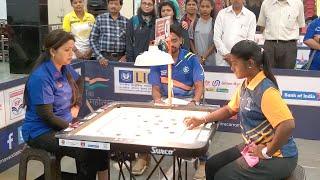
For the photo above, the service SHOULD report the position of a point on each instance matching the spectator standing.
(233, 24)
(201, 34)
(79, 23)
(108, 35)
(191, 12)
(140, 30)
(280, 21)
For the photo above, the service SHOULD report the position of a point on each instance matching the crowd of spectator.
(209, 29)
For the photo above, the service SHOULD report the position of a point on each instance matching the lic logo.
(125, 76)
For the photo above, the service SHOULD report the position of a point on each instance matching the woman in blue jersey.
(53, 98)
(269, 151)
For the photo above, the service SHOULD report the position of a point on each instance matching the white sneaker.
(139, 166)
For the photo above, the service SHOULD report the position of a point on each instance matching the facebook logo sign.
(9, 141)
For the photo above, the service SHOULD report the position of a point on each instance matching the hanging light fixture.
(156, 57)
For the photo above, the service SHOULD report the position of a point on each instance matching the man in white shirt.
(233, 24)
(281, 20)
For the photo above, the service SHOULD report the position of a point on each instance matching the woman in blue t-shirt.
(53, 98)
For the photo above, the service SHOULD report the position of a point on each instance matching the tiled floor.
(309, 158)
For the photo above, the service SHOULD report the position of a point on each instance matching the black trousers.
(88, 161)
(281, 54)
(230, 165)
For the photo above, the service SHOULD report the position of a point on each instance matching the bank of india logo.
(186, 70)
(125, 76)
(17, 106)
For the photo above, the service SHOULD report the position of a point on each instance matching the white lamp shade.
(153, 57)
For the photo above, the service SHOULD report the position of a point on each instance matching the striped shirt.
(108, 35)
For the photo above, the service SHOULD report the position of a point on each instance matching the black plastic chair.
(52, 168)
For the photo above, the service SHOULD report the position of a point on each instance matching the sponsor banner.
(303, 91)
(131, 81)
(10, 145)
(302, 58)
(307, 122)
(14, 104)
(84, 144)
(230, 126)
(2, 110)
(162, 29)
(98, 84)
(9, 140)
(220, 86)
(10, 160)
(295, 90)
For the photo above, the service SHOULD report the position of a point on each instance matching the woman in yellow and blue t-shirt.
(265, 120)
(79, 23)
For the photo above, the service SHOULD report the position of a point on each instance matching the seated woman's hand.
(75, 111)
(256, 150)
(193, 122)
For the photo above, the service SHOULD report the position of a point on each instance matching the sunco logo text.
(156, 150)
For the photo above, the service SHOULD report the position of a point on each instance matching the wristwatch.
(195, 102)
(264, 153)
